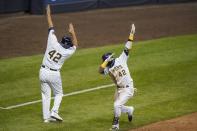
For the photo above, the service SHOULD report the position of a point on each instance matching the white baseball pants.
(50, 80)
(122, 95)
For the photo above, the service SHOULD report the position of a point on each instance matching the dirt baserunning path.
(184, 123)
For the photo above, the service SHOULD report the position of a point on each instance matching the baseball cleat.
(115, 124)
(130, 118)
(46, 121)
(49, 120)
(115, 127)
(130, 114)
(54, 115)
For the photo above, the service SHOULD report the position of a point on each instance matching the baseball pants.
(50, 80)
(122, 95)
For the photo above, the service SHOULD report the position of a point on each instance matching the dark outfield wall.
(37, 6)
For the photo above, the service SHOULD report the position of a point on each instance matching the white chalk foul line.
(69, 94)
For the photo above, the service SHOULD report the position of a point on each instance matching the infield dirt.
(184, 123)
(23, 34)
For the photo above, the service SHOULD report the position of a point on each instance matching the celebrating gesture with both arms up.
(55, 55)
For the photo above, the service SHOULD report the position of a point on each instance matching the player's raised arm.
(48, 10)
(125, 54)
(73, 34)
(128, 45)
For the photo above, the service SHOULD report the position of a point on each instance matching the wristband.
(131, 36)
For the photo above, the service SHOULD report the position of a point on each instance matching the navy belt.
(49, 68)
(127, 86)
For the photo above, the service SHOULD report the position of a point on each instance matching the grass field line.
(69, 94)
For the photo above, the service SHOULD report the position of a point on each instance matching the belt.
(49, 68)
(127, 86)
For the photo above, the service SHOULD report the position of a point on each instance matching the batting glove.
(131, 36)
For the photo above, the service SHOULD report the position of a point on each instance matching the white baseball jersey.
(54, 58)
(55, 54)
(120, 71)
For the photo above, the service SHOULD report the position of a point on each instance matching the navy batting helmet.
(105, 56)
(66, 42)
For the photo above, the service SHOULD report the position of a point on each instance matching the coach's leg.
(58, 94)
(57, 102)
(46, 100)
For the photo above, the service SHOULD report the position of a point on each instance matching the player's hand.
(132, 29)
(71, 28)
(131, 36)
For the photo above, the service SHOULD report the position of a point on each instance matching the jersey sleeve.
(72, 49)
(51, 36)
(125, 54)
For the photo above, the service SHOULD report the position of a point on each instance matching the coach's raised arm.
(73, 34)
(48, 10)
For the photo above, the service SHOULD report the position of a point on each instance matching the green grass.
(164, 71)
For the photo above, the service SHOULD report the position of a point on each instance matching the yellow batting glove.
(104, 64)
(131, 36)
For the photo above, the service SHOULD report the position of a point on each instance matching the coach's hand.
(71, 28)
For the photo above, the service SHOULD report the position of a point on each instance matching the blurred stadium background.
(37, 6)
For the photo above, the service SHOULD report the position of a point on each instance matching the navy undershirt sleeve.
(126, 51)
(51, 28)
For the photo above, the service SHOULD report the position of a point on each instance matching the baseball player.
(118, 70)
(55, 55)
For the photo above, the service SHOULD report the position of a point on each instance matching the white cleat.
(114, 128)
(54, 115)
(46, 121)
(49, 120)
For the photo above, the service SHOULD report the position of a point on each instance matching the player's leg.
(58, 94)
(129, 110)
(46, 100)
(117, 111)
(125, 96)
(122, 97)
